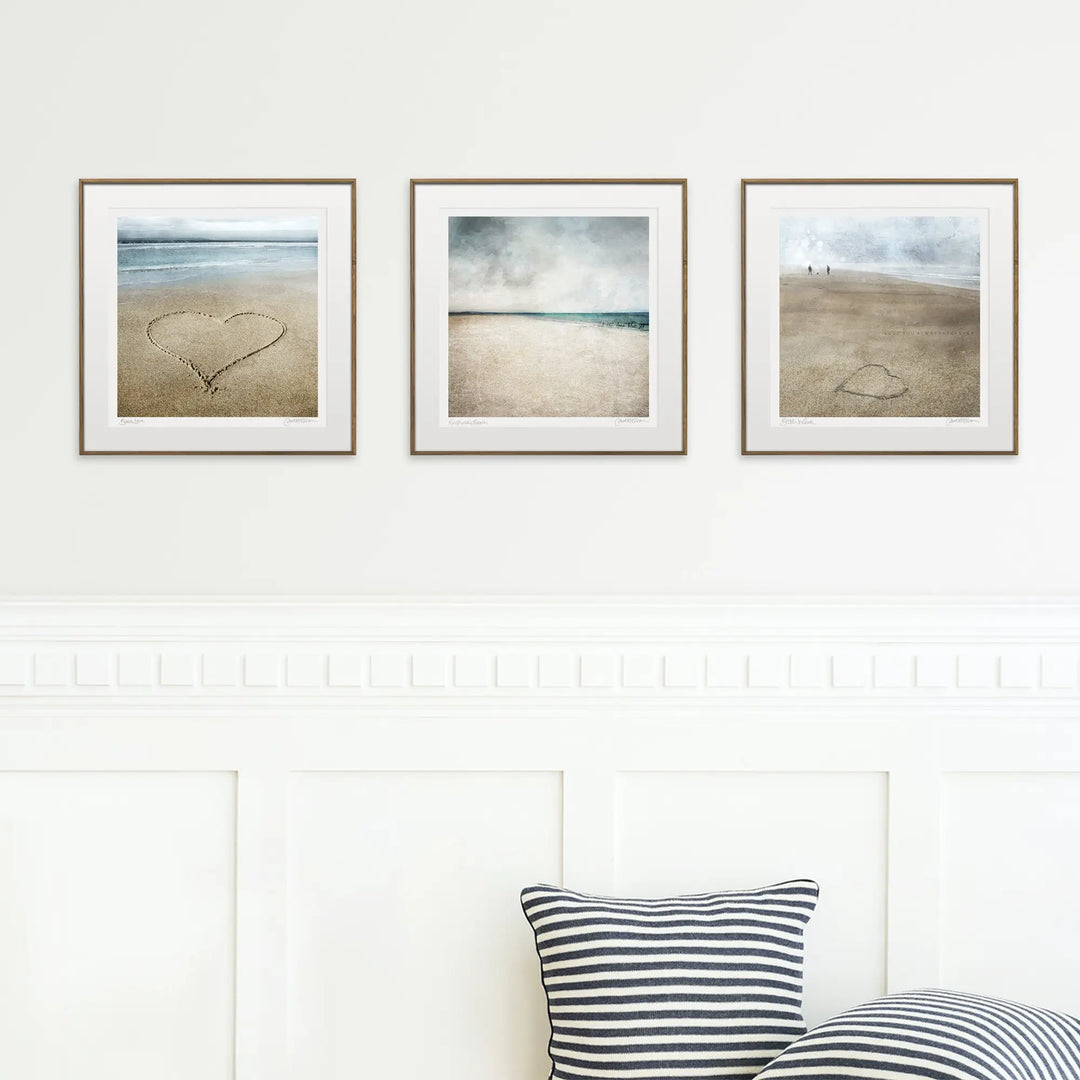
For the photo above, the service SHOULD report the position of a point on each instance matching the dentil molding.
(540, 647)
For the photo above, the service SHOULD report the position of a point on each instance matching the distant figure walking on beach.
(827, 271)
(810, 269)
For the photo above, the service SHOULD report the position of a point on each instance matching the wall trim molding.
(558, 649)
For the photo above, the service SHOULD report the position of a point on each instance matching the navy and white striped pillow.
(938, 1035)
(698, 986)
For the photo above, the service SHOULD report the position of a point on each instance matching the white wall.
(711, 91)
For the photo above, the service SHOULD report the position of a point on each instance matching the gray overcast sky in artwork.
(265, 229)
(851, 241)
(549, 264)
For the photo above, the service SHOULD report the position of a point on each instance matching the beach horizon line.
(549, 313)
(964, 282)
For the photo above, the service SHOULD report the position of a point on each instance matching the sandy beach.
(515, 365)
(278, 380)
(868, 345)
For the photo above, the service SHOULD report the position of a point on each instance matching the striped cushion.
(695, 986)
(936, 1034)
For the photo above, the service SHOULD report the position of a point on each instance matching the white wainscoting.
(277, 839)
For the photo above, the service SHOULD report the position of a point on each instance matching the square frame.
(433, 431)
(332, 202)
(995, 202)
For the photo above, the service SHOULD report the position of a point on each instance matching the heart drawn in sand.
(873, 380)
(208, 345)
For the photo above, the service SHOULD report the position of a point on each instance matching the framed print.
(548, 316)
(217, 316)
(879, 316)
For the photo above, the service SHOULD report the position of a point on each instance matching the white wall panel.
(331, 806)
(409, 954)
(697, 831)
(116, 925)
(1011, 885)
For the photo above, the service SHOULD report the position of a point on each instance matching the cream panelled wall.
(269, 839)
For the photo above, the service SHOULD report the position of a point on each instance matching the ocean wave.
(956, 281)
(186, 266)
(215, 243)
(147, 264)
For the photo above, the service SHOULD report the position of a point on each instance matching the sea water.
(633, 320)
(143, 263)
(959, 277)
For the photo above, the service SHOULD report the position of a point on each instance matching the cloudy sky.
(549, 264)
(149, 229)
(879, 241)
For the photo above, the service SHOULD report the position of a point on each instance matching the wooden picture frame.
(217, 316)
(880, 316)
(548, 316)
